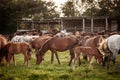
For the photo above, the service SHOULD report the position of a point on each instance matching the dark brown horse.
(57, 44)
(84, 51)
(93, 43)
(12, 48)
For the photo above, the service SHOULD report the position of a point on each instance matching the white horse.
(63, 33)
(24, 38)
(113, 45)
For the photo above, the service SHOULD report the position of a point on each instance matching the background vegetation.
(12, 10)
(48, 71)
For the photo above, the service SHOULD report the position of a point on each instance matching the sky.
(58, 4)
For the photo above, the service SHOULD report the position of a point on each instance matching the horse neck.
(98, 54)
(45, 48)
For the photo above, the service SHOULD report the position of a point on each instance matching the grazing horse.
(84, 51)
(112, 49)
(93, 43)
(57, 44)
(12, 48)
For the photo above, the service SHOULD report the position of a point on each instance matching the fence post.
(92, 24)
(83, 24)
(106, 21)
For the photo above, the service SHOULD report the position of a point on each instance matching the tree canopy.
(12, 10)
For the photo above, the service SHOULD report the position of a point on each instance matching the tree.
(47, 11)
(69, 9)
(105, 8)
(12, 10)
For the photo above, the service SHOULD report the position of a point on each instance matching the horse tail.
(4, 49)
(4, 52)
(29, 49)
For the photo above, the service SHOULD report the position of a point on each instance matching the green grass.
(48, 71)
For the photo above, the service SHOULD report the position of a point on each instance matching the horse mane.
(96, 39)
(95, 43)
(46, 42)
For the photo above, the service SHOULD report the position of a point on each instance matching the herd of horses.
(99, 46)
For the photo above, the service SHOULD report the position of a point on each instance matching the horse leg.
(14, 60)
(26, 59)
(90, 61)
(74, 61)
(71, 55)
(8, 58)
(108, 62)
(104, 60)
(57, 58)
(79, 61)
(52, 57)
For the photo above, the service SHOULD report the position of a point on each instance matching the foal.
(12, 48)
(84, 51)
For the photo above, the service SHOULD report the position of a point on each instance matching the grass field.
(48, 71)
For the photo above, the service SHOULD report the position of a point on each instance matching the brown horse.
(57, 44)
(12, 48)
(84, 51)
(3, 41)
(38, 42)
(93, 43)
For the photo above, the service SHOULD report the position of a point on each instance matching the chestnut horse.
(57, 44)
(93, 43)
(3, 41)
(84, 51)
(12, 48)
(38, 42)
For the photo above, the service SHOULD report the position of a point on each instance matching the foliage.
(69, 9)
(103, 8)
(12, 10)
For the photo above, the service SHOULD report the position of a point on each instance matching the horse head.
(100, 59)
(39, 57)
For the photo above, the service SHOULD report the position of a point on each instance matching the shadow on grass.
(38, 77)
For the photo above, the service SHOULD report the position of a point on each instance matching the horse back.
(17, 47)
(61, 43)
(114, 43)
